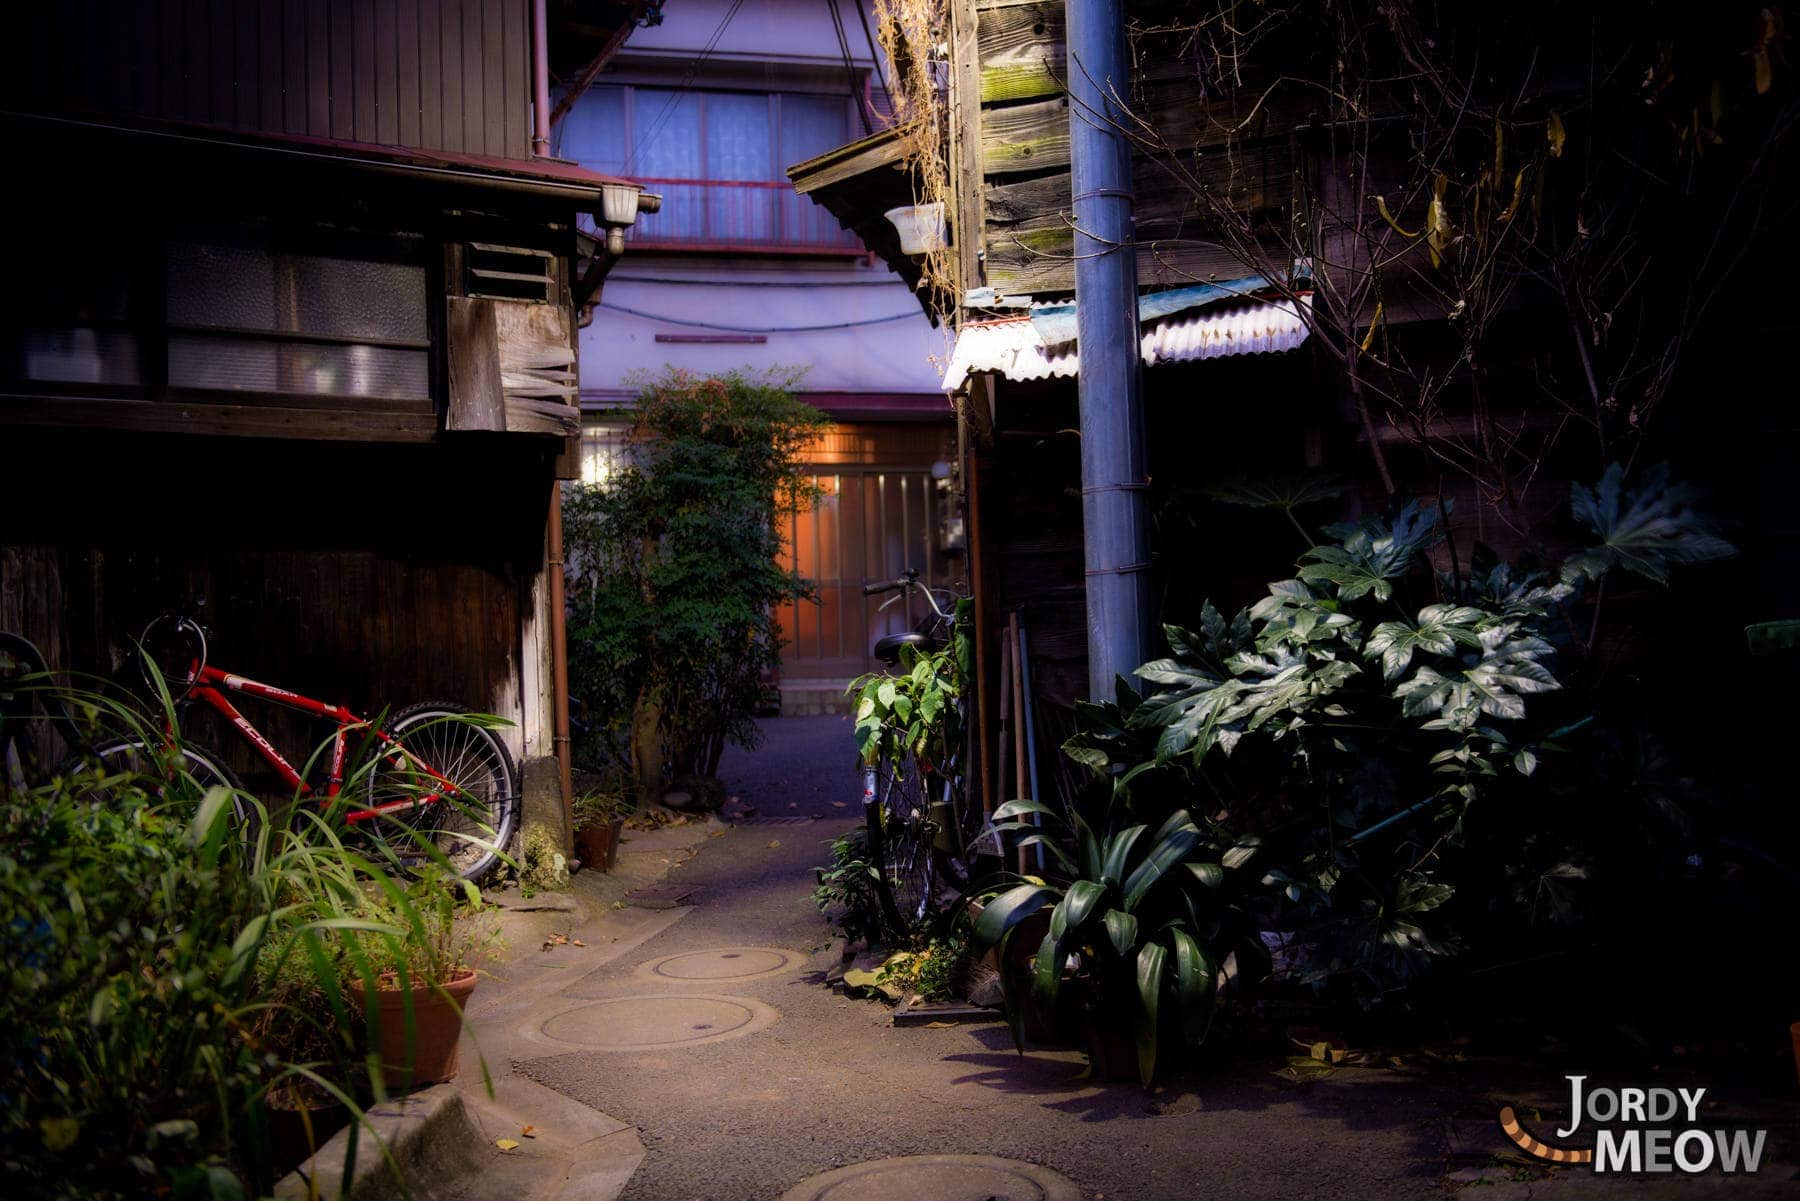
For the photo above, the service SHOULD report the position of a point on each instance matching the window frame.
(842, 243)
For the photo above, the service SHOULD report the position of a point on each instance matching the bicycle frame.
(209, 688)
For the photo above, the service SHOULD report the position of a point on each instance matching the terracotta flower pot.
(1057, 1027)
(300, 1122)
(597, 845)
(437, 1031)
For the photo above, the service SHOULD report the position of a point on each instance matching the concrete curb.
(430, 1127)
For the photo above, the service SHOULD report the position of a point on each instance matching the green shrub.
(673, 577)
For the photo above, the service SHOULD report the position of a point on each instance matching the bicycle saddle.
(888, 649)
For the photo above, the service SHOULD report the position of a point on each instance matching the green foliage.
(597, 806)
(913, 714)
(848, 887)
(1368, 735)
(672, 567)
(933, 970)
(1646, 530)
(164, 977)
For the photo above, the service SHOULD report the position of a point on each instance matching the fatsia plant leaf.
(1439, 630)
(1647, 530)
(1370, 554)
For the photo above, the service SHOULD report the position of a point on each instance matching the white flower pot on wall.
(920, 226)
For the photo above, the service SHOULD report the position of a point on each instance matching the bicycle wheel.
(183, 772)
(433, 743)
(903, 842)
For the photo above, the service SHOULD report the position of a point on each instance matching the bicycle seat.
(888, 648)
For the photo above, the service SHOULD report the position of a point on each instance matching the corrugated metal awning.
(1013, 347)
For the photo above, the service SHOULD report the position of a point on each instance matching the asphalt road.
(830, 1082)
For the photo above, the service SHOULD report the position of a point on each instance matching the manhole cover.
(937, 1178)
(721, 963)
(653, 1023)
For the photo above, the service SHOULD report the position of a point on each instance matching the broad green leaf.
(1209, 874)
(1121, 930)
(1118, 851)
(1151, 962)
(1007, 910)
(1196, 983)
(1080, 900)
(1164, 855)
(1647, 530)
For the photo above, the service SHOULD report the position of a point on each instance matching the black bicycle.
(916, 805)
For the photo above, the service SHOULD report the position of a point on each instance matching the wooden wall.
(436, 74)
(366, 575)
(1022, 166)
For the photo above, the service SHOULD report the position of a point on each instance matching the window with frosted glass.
(718, 158)
(244, 315)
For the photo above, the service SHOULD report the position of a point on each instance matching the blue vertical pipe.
(1113, 484)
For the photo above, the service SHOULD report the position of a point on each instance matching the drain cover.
(655, 1023)
(721, 963)
(937, 1178)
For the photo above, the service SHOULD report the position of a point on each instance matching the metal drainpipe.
(559, 649)
(540, 78)
(1113, 483)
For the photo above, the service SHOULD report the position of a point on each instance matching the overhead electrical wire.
(892, 282)
(687, 82)
(767, 329)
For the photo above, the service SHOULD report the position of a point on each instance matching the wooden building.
(992, 110)
(290, 346)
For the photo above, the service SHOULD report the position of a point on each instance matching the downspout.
(559, 650)
(540, 79)
(1113, 482)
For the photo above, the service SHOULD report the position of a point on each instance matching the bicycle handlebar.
(899, 585)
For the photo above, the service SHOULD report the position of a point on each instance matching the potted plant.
(424, 975)
(599, 816)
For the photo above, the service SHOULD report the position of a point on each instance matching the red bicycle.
(436, 772)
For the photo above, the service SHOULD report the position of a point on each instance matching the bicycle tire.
(201, 765)
(906, 860)
(471, 757)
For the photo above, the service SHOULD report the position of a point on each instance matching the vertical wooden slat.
(171, 63)
(494, 33)
(431, 69)
(246, 82)
(318, 68)
(293, 65)
(364, 79)
(147, 57)
(469, 45)
(406, 68)
(516, 86)
(452, 84)
(271, 70)
(342, 64)
(220, 64)
(386, 69)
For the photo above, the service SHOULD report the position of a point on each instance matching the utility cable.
(767, 329)
(687, 82)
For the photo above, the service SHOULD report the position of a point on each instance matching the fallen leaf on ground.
(578, 942)
(528, 1132)
(840, 804)
(506, 1144)
(939, 1025)
(773, 843)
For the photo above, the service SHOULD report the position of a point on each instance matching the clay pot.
(597, 845)
(301, 1120)
(1058, 1027)
(437, 1031)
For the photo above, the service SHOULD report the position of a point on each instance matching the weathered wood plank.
(1025, 137)
(529, 415)
(1251, 178)
(1022, 52)
(477, 401)
(966, 220)
(240, 420)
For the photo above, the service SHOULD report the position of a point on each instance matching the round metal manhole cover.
(937, 1178)
(656, 1023)
(721, 964)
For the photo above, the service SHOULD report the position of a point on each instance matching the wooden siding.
(436, 74)
(1022, 160)
(330, 570)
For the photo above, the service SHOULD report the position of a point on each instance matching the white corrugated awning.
(1013, 347)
